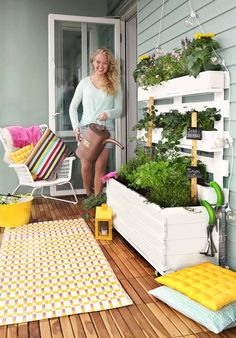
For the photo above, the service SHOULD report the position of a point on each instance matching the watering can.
(94, 141)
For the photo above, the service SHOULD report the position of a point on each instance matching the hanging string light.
(192, 18)
(158, 48)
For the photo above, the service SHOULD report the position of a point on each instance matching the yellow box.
(103, 215)
(16, 214)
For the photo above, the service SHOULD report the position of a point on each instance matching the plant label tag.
(194, 133)
(194, 172)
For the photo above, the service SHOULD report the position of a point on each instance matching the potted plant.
(194, 57)
(91, 202)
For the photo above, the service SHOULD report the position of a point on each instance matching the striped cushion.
(47, 155)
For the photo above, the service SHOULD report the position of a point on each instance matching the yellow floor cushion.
(206, 283)
(19, 156)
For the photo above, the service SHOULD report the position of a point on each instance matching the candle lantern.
(103, 222)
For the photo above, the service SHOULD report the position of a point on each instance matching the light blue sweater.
(95, 101)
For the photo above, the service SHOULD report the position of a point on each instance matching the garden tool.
(94, 141)
(210, 249)
(216, 218)
(220, 219)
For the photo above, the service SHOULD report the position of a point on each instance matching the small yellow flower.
(209, 35)
(144, 57)
(201, 35)
(197, 36)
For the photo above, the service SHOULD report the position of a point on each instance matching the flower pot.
(16, 214)
(168, 238)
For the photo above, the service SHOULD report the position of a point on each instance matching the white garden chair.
(63, 177)
(64, 174)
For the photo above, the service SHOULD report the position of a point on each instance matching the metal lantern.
(103, 222)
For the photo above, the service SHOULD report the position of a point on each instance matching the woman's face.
(100, 64)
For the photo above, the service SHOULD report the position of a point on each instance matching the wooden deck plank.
(147, 317)
(194, 327)
(55, 326)
(12, 331)
(153, 321)
(121, 324)
(3, 331)
(146, 298)
(132, 324)
(45, 330)
(88, 326)
(123, 256)
(99, 325)
(168, 325)
(23, 330)
(131, 291)
(110, 325)
(143, 322)
(34, 329)
(77, 326)
(182, 327)
(66, 328)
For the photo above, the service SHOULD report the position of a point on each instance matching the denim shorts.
(83, 130)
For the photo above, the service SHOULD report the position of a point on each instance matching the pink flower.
(112, 174)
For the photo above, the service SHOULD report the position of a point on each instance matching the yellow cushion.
(21, 155)
(206, 283)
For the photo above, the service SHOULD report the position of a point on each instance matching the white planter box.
(211, 141)
(156, 135)
(205, 82)
(168, 238)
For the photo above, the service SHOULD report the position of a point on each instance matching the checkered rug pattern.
(52, 269)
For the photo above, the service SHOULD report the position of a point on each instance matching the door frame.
(52, 18)
(130, 101)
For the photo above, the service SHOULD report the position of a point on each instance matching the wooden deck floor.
(148, 317)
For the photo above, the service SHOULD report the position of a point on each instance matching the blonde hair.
(112, 76)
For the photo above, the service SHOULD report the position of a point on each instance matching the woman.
(101, 97)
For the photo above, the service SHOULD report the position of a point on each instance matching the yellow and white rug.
(53, 269)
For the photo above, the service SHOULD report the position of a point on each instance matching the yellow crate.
(16, 214)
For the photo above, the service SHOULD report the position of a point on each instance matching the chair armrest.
(23, 173)
(65, 169)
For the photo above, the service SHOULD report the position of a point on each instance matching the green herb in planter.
(165, 182)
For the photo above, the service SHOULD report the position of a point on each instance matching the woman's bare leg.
(86, 171)
(100, 168)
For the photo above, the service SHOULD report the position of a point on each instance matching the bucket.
(16, 213)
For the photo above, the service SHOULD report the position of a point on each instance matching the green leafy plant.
(91, 202)
(200, 55)
(164, 182)
(175, 124)
(194, 56)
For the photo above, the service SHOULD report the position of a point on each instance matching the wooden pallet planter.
(171, 238)
(168, 238)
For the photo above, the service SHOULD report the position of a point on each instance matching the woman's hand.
(102, 116)
(77, 135)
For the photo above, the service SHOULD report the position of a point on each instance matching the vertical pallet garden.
(172, 238)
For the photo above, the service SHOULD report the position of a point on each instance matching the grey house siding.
(215, 16)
